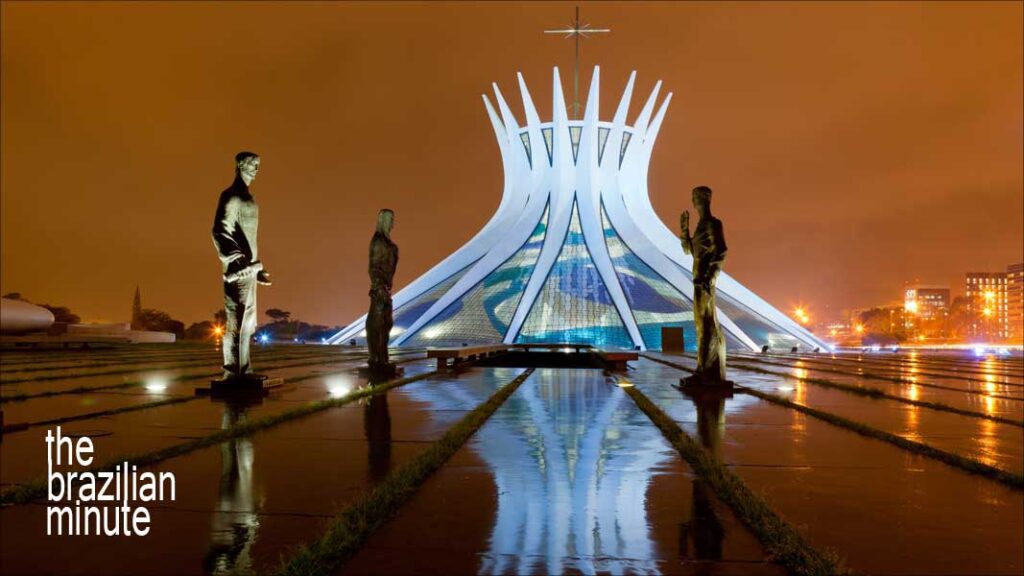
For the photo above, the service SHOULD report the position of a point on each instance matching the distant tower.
(137, 311)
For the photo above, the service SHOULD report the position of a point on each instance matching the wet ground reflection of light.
(156, 384)
(339, 385)
(572, 459)
(990, 384)
(235, 523)
(912, 423)
(988, 441)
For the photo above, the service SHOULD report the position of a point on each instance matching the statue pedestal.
(381, 373)
(243, 386)
(697, 384)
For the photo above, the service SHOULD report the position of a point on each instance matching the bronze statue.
(234, 236)
(707, 246)
(383, 262)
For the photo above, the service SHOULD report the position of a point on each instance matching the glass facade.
(409, 312)
(574, 304)
(482, 315)
(756, 327)
(575, 133)
(625, 144)
(574, 136)
(525, 137)
(655, 303)
(602, 139)
(547, 141)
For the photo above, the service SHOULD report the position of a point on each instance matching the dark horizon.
(884, 141)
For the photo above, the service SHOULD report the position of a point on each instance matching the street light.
(801, 315)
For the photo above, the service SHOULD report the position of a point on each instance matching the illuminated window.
(547, 141)
(525, 137)
(602, 139)
(483, 313)
(626, 136)
(574, 137)
(574, 304)
(655, 303)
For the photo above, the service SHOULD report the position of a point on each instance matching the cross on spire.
(578, 31)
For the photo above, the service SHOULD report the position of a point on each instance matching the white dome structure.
(575, 252)
(20, 317)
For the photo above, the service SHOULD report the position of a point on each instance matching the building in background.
(926, 310)
(988, 306)
(575, 252)
(1015, 301)
(927, 302)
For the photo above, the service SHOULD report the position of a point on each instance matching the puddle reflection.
(572, 460)
(235, 522)
(377, 426)
(704, 531)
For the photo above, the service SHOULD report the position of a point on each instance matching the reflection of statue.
(235, 521)
(383, 261)
(705, 529)
(377, 425)
(234, 236)
(707, 246)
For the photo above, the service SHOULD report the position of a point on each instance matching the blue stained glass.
(407, 313)
(483, 313)
(655, 302)
(574, 304)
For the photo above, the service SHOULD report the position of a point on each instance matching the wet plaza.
(882, 463)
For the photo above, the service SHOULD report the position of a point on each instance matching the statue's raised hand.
(684, 221)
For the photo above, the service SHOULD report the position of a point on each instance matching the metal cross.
(578, 31)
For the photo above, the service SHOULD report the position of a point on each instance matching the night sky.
(852, 147)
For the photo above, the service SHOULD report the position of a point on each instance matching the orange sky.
(852, 146)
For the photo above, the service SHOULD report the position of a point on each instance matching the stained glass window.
(654, 301)
(625, 143)
(574, 137)
(547, 141)
(574, 304)
(407, 313)
(602, 139)
(525, 137)
(482, 315)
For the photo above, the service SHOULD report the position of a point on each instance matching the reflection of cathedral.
(235, 521)
(572, 459)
